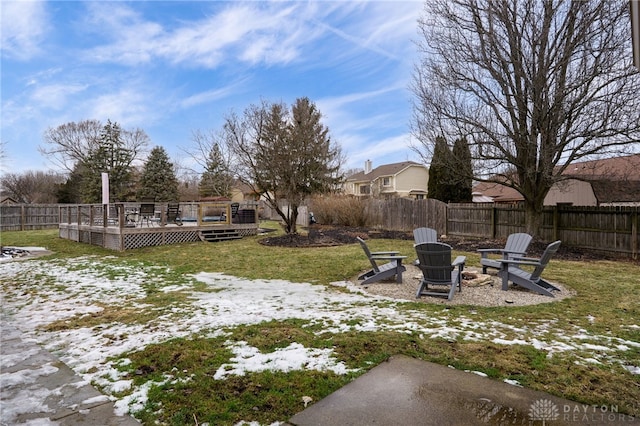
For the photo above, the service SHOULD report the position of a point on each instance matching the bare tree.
(285, 155)
(32, 186)
(533, 86)
(73, 142)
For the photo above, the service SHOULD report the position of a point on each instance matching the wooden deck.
(120, 227)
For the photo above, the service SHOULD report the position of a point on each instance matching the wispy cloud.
(208, 96)
(261, 32)
(24, 26)
(56, 96)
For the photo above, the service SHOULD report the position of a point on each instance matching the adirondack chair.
(511, 271)
(517, 245)
(438, 270)
(173, 213)
(424, 235)
(382, 272)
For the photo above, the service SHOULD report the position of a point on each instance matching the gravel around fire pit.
(478, 292)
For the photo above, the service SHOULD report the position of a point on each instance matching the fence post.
(555, 222)
(493, 221)
(23, 218)
(634, 234)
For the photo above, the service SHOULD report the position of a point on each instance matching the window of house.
(420, 197)
(386, 181)
(365, 189)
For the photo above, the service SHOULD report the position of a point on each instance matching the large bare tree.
(284, 154)
(72, 143)
(532, 84)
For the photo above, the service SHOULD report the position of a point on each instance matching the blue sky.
(175, 67)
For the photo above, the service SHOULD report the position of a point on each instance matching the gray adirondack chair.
(382, 272)
(424, 235)
(511, 271)
(438, 270)
(517, 245)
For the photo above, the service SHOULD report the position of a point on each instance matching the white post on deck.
(105, 198)
(105, 188)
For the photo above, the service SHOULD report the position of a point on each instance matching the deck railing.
(126, 215)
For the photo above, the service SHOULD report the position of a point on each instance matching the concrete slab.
(406, 391)
(38, 388)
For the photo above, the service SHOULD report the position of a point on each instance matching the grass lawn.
(206, 332)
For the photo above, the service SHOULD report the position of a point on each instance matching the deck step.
(214, 235)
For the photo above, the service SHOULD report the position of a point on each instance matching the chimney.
(367, 167)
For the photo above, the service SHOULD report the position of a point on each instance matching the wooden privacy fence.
(605, 229)
(403, 214)
(24, 217)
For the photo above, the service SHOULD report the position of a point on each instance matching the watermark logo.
(544, 410)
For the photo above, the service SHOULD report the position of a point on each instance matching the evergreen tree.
(438, 186)
(158, 180)
(71, 190)
(216, 181)
(109, 156)
(462, 173)
(286, 155)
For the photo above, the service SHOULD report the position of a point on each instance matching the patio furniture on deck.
(173, 213)
(147, 213)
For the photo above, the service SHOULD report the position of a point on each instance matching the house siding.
(412, 179)
(404, 180)
(573, 192)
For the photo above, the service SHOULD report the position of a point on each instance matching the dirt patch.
(327, 236)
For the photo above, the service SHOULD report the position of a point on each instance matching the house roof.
(612, 179)
(383, 170)
(616, 192)
(617, 168)
(496, 192)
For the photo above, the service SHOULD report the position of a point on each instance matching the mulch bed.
(327, 236)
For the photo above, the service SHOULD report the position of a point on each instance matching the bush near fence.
(605, 229)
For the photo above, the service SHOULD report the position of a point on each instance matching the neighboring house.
(243, 192)
(605, 182)
(8, 201)
(407, 180)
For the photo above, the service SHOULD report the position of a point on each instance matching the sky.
(172, 68)
(67, 288)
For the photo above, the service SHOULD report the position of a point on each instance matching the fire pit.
(476, 279)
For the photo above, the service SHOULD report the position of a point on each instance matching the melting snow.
(81, 286)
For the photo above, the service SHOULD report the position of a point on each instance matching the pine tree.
(462, 173)
(438, 186)
(109, 156)
(158, 180)
(216, 180)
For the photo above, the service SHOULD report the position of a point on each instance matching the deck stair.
(213, 235)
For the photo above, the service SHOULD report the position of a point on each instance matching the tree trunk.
(533, 218)
(289, 219)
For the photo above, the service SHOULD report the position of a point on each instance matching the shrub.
(340, 210)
